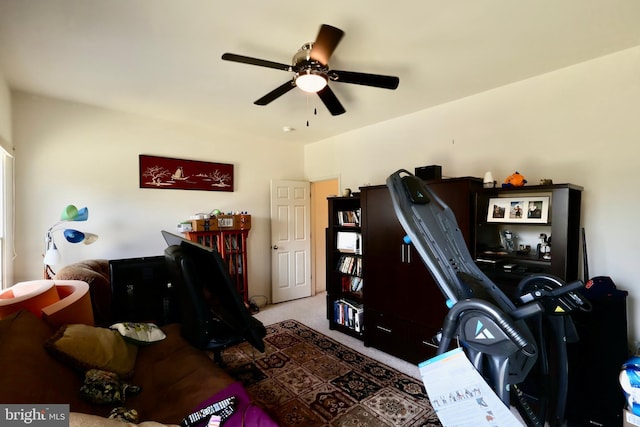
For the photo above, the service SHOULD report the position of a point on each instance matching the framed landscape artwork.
(179, 174)
(533, 210)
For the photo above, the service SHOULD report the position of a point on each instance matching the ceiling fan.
(311, 72)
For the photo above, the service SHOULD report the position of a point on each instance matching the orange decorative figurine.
(514, 180)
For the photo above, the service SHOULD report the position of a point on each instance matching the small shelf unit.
(345, 285)
(507, 266)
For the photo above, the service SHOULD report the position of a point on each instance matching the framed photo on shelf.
(524, 210)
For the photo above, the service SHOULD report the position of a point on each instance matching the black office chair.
(212, 314)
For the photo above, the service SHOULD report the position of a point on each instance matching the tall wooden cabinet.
(402, 304)
(403, 307)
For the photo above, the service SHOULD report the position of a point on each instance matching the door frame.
(319, 221)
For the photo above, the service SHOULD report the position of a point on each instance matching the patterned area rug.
(305, 378)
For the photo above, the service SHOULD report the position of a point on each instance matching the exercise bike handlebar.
(497, 315)
(556, 290)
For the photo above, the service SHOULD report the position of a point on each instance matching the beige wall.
(5, 114)
(577, 125)
(73, 153)
(6, 185)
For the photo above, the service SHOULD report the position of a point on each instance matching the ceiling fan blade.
(255, 61)
(331, 101)
(326, 42)
(376, 80)
(276, 93)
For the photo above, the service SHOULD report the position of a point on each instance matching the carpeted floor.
(307, 379)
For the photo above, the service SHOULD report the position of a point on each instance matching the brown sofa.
(176, 378)
(95, 272)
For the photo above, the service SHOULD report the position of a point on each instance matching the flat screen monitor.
(224, 300)
(141, 291)
(173, 239)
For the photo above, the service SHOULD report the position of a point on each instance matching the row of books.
(349, 264)
(349, 218)
(352, 284)
(349, 313)
(233, 243)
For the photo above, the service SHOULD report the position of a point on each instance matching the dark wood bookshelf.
(345, 285)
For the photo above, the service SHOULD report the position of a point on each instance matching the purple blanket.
(246, 414)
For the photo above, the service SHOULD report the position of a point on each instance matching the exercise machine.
(519, 346)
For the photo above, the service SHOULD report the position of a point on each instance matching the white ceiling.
(161, 58)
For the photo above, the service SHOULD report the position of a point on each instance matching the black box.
(429, 172)
(141, 291)
(595, 397)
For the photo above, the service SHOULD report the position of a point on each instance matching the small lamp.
(488, 181)
(52, 254)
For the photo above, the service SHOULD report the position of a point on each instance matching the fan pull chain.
(315, 113)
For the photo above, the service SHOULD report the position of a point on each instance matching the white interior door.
(290, 240)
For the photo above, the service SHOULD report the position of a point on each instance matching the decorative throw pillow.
(88, 347)
(123, 414)
(139, 333)
(103, 387)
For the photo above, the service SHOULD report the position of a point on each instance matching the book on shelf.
(349, 242)
(352, 284)
(349, 218)
(349, 264)
(349, 313)
(359, 321)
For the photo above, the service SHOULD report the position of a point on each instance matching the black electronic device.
(212, 308)
(141, 291)
(429, 172)
(595, 397)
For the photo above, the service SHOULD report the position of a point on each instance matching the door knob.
(275, 247)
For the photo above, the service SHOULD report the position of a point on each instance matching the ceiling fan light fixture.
(311, 71)
(311, 81)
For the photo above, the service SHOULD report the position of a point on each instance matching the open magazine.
(459, 394)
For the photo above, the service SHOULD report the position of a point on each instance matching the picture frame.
(523, 210)
(182, 174)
